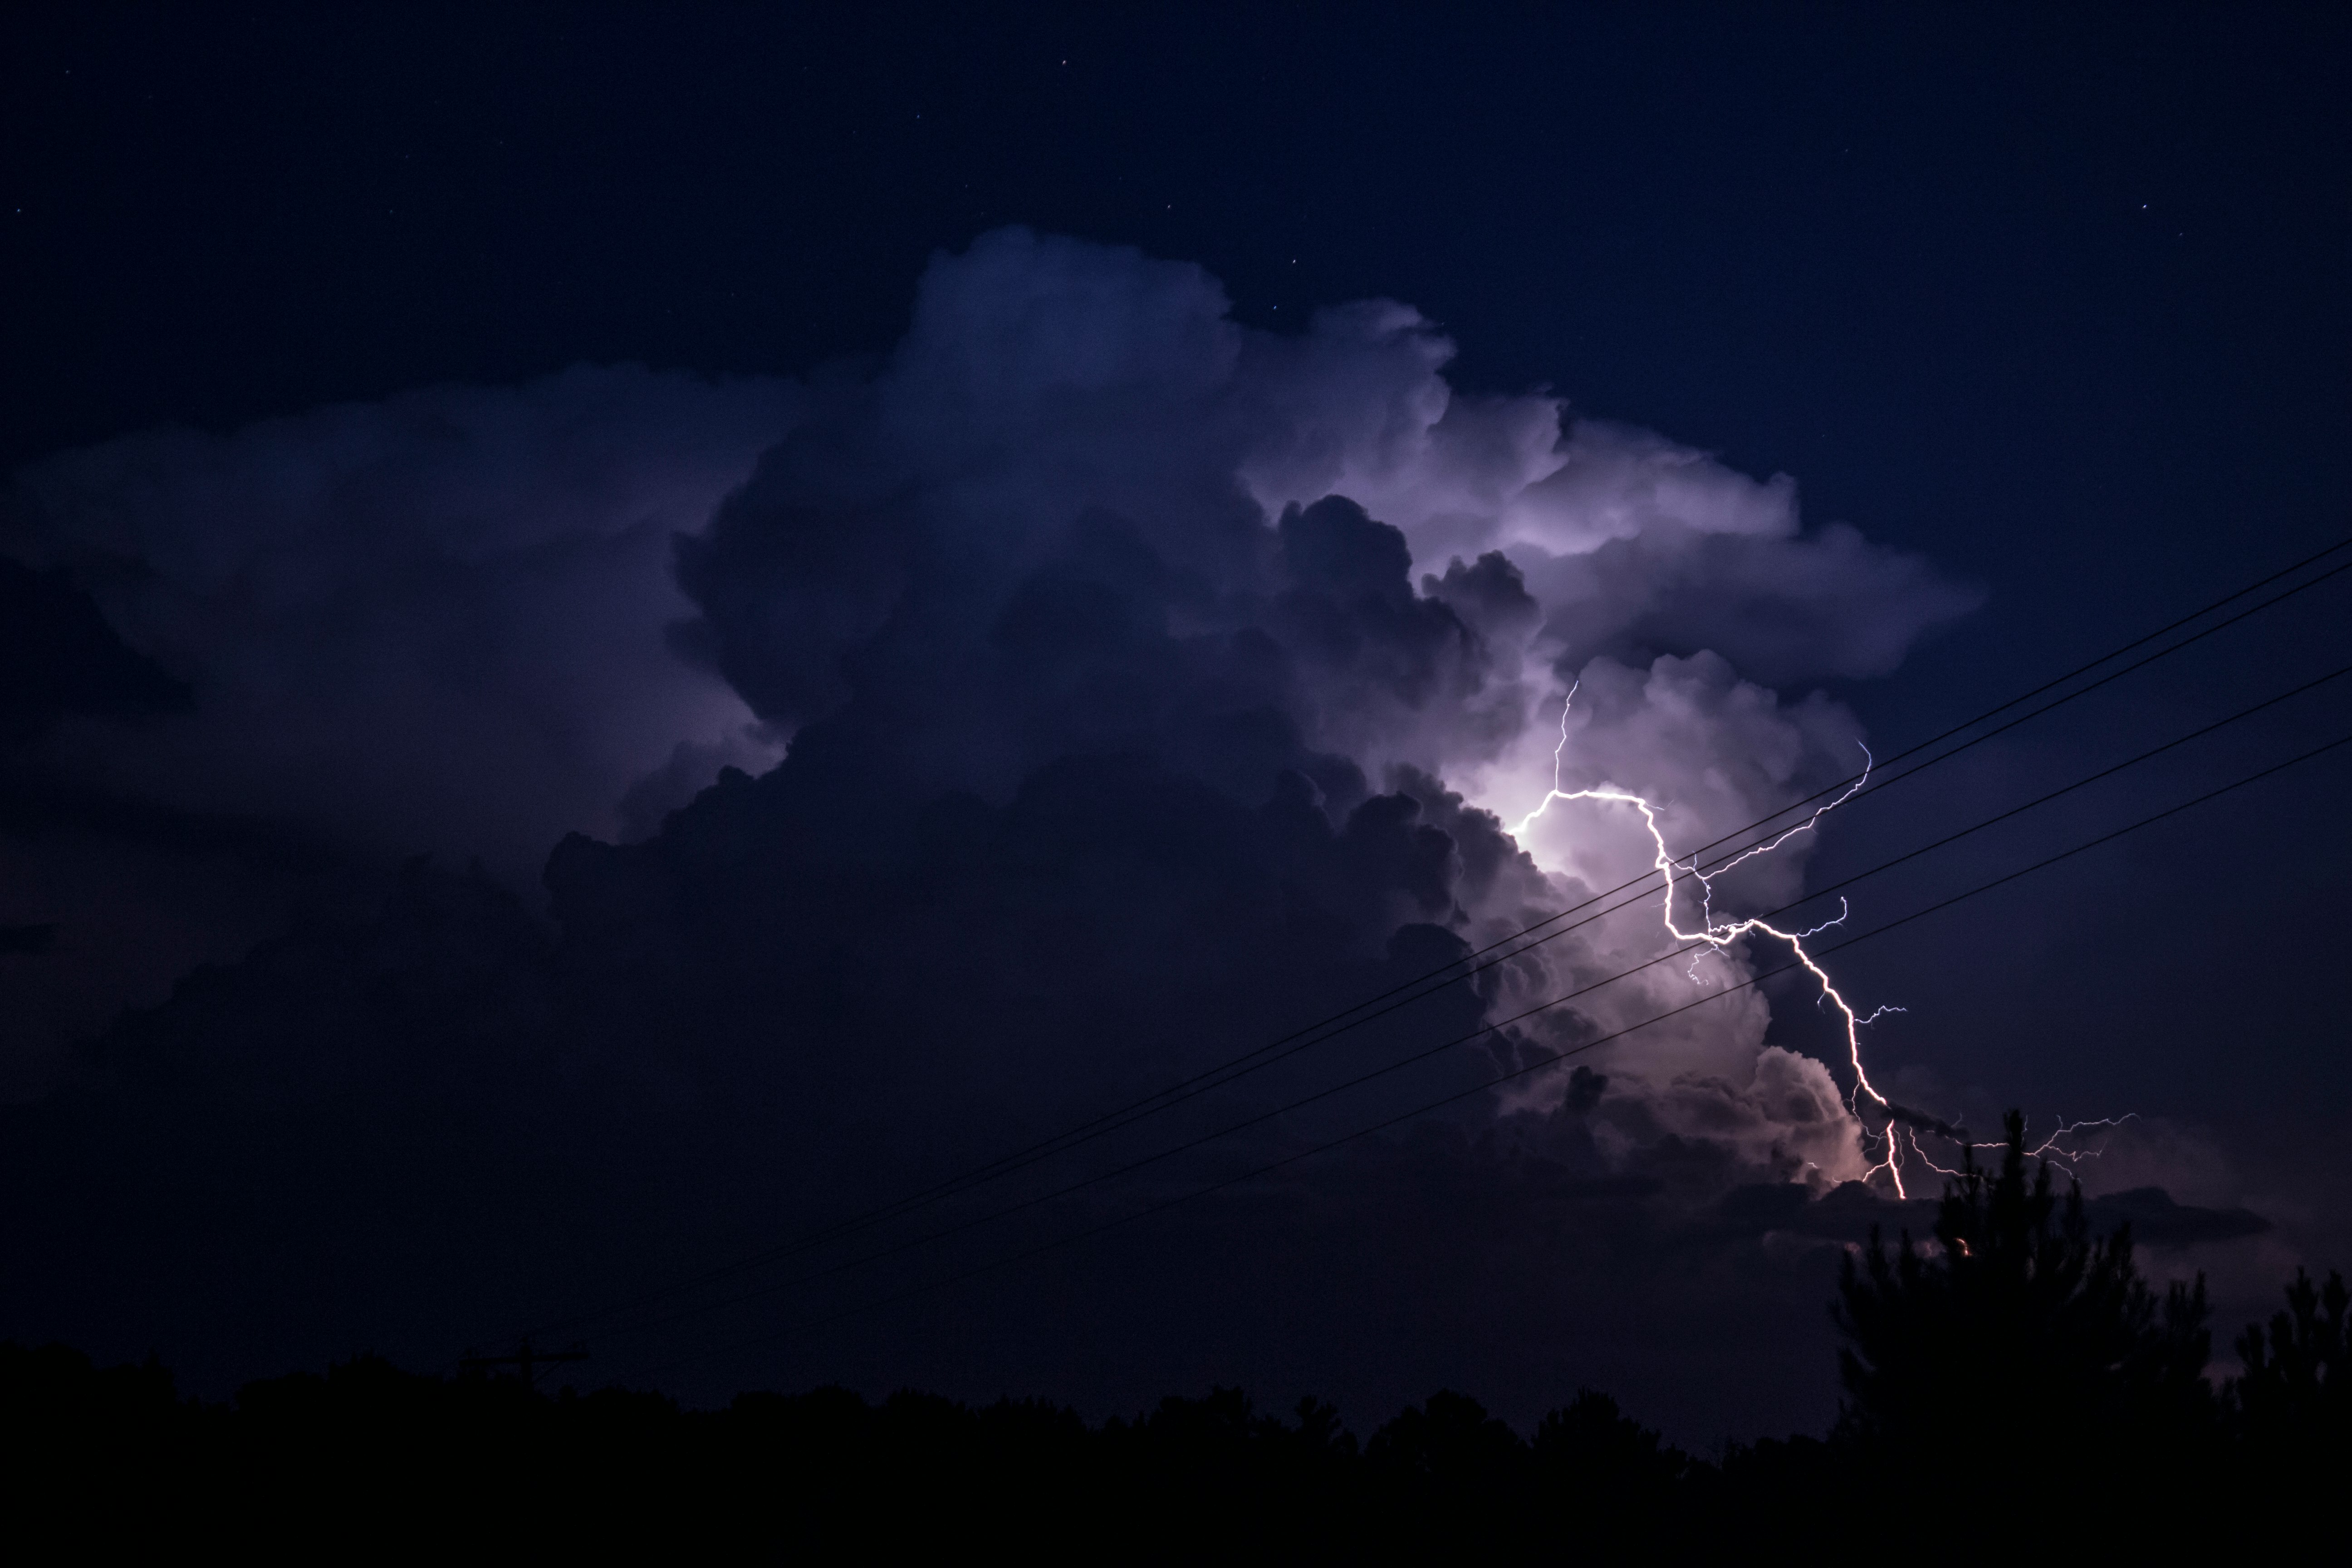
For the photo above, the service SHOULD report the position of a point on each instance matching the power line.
(1452, 972)
(1497, 1026)
(1550, 1059)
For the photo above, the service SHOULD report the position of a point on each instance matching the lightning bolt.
(2064, 1147)
(2053, 1148)
(1719, 935)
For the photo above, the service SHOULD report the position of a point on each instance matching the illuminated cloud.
(1145, 686)
(1080, 511)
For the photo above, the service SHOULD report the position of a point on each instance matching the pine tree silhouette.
(2291, 1405)
(2019, 1356)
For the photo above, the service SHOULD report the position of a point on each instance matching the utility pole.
(528, 1362)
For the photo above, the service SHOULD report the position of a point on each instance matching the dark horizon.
(1957, 1355)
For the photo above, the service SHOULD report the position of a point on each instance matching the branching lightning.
(2067, 1157)
(1713, 935)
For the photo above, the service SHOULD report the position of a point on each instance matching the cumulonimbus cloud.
(1108, 687)
(1078, 512)
(1081, 509)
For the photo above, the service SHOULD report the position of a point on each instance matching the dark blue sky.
(2056, 298)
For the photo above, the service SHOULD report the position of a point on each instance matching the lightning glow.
(1718, 935)
(2064, 1147)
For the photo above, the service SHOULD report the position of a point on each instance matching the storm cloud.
(1088, 690)
(434, 623)
(1080, 512)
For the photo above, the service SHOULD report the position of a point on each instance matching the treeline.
(2013, 1385)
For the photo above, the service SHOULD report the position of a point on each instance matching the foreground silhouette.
(2018, 1369)
(2012, 1381)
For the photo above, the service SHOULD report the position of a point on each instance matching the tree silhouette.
(2017, 1353)
(1444, 1476)
(2012, 1384)
(1609, 1480)
(2292, 1402)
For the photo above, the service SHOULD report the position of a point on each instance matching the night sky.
(440, 443)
